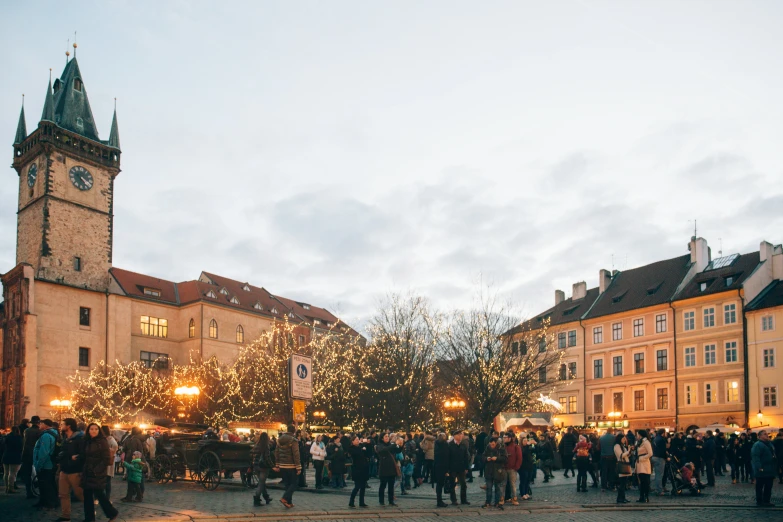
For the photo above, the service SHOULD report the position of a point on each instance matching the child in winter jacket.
(134, 468)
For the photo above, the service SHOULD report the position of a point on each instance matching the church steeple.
(71, 106)
(48, 110)
(114, 136)
(21, 128)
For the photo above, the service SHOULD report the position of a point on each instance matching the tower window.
(240, 334)
(77, 84)
(84, 357)
(84, 316)
(213, 329)
(77, 264)
(192, 329)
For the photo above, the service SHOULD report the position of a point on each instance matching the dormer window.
(224, 291)
(305, 306)
(619, 297)
(246, 287)
(211, 294)
(56, 86)
(77, 84)
(729, 280)
(152, 292)
(258, 306)
(80, 122)
(274, 311)
(291, 315)
(234, 300)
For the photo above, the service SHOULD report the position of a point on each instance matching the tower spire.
(48, 110)
(114, 135)
(21, 128)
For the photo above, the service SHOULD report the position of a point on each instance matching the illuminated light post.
(186, 396)
(60, 406)
(455, 407)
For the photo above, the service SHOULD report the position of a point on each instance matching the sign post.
(300, 377)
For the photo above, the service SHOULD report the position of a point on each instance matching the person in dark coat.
(12, 458)
(95, 463)
(30, 434)
(459, 461)
(387, 468)
(566, 448)
(262, 465)
(359, 450)
(440, 467)
(337, 459)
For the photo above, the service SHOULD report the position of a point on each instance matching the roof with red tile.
(133, 284)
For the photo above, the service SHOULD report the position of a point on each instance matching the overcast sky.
(334, 151)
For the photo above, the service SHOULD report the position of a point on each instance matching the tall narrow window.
(689, 397)
(690, 356)
(767, 324)
(638, 363)
(689, 321)
(542, 345)
(542, 375)
(77, 264)
(598, 403)
(522, 347)
(192, 329)
(731, 351)
(638, 400)
(660, 323)
(84, 316)
(572, 370)
(770, 396)
(572, 338)
(240, 334)
(617, 331)
(732, 391)
(563, 404)
(662, 398)
(617, 401)
(708, 393)
(709, 317)
(598, 335)
(638, 327)
(709, 354)
(617, 363)
(598, 368)
(662, 357)
(730, 314)
(769, 357)
(213, 329)
(84, 357)
(561, 340)
(77, 84)
(563, 372)
(572, 404)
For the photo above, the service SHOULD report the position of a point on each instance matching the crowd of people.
(71, 458)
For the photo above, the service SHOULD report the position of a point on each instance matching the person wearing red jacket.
(513, 462)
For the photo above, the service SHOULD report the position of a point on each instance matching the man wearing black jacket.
(70, 468)
(459, 461)
(31, 433)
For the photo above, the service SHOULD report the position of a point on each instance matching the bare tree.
(492, 373)
(396, 369)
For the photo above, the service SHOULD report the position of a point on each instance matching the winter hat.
(582, 438)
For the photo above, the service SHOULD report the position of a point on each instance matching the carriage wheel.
(209, 470)
(162, 469)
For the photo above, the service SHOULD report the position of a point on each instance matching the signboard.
(300, 377)
(299, 410)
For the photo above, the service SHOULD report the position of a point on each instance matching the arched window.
(192, 329)
(77, 84)
(240, 334)
(213, 329)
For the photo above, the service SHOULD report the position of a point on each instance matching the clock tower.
(66, 188)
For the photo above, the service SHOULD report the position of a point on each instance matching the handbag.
(624, 468)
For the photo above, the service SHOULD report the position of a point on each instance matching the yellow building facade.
(765, 342)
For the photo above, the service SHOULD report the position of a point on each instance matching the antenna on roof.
(74, 44)
(720, 247)
(67, 52)
(612, 262)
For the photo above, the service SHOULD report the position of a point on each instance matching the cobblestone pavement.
(558, 500)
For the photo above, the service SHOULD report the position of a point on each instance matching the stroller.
(680, 482)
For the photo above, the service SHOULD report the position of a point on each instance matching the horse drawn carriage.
(184, 454)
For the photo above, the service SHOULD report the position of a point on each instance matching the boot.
(257, 501)
(267, 499)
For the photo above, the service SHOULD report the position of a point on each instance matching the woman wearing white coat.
(643, 467)
(318, 452)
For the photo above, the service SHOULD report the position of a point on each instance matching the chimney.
(604, 280)
(559, 297)
(700, 253)
(765, 251)
(579, 291)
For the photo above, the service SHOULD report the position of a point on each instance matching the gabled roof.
(641, 287)
(71, 107)
(133, 284)
(771, 296)
(736, 267)
(567, 311)
(247, 299)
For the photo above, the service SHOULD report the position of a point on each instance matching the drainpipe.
(676, 376)
(584, 372)
(201, 333)
(106, 333)
(745, 355)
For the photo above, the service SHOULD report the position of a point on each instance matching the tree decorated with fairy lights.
(491, 373)
(396, 371)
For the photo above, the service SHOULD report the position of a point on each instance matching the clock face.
(81, 178)
(32, 175)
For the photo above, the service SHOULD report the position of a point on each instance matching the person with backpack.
(44, 456)
(582, 454)
(288, 463)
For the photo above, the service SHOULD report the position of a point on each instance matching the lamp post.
(186, 396)
(60, 405)
(616, 418)
(455, 407)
